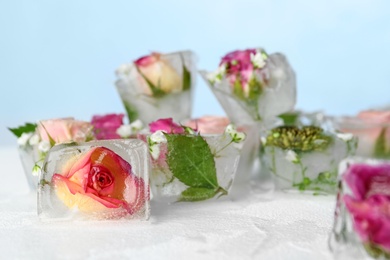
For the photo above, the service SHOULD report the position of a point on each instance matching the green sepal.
(157, 92)
(26, 128)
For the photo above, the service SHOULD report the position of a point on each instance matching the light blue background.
(57, 58)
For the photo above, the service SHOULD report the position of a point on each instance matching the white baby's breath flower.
(124, 131)
(257, 60)
(216, 76)
(154, 151)
(137, 125)
(158, 137)
(291, 156)
(263, 140)
(34, 139)
(345, 136)
(230, 129)
(36, 170)
(236, 136)
(44, 146)
(23, 139)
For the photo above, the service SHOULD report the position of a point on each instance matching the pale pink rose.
(105, 126)
(167, 125)
(99, 180)
(159, 72)
(64, 130)
(209, 124)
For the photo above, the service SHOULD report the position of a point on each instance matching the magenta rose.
(105, 126)
(166, 125)
(369, 203)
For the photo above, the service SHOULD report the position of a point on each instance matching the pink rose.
(167, 125)
(369, 203)
(239, 66)
(105, 126)
(65, 130)
(98, 180)
(366, 180)
(160, 73)
(209, 124)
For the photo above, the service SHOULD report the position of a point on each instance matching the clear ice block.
(304, 158)
(194, 167)
(361, 228)
(163, 89)
(278, 94)
(106, 179)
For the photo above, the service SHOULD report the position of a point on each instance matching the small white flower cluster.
(236, 136)
(154, 140)
(33, 139)
(216, 76)
(258, 59)
(125, 131)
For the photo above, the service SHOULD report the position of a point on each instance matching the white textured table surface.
(277, 226)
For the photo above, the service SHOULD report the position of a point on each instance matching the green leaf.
(27, 128)
(197, 194)
(186, 76)
(191, 161)
(131, 111)
(380, 149)
(157, 92)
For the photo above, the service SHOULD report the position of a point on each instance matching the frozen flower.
(23, 139)
(44, 146)
(292, 156)
(158, 74)
(105, 126)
